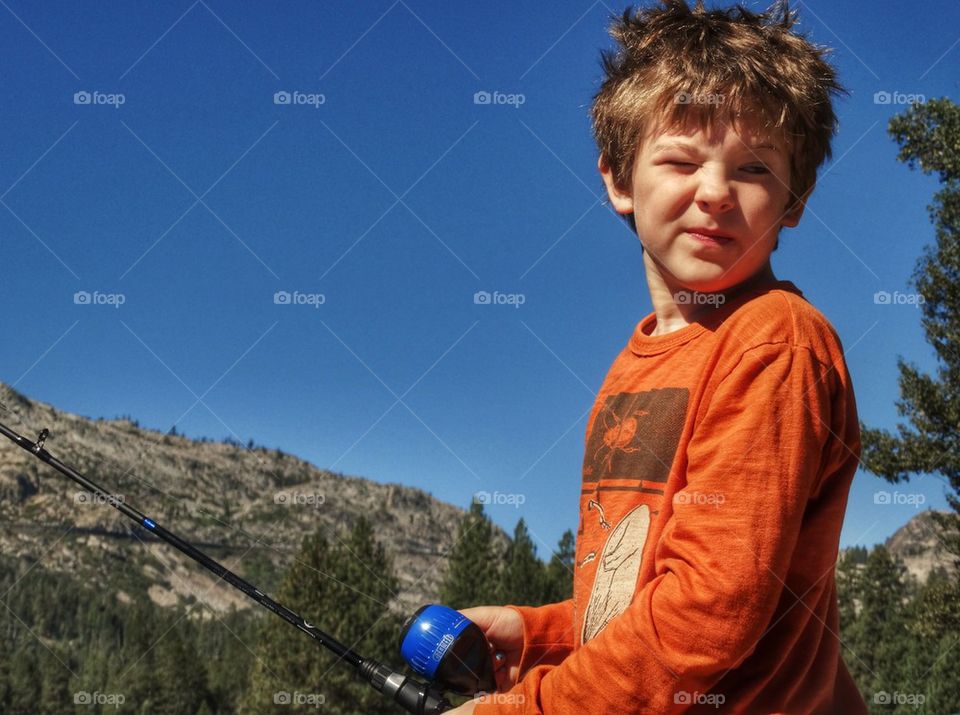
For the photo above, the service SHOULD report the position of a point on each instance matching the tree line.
(74, 647)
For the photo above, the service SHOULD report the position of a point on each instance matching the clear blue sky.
(396, 198)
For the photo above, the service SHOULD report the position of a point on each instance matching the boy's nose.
(713, 193)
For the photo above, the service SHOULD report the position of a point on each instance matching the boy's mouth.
(708, 235)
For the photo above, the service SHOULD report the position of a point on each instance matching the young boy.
(722, 444)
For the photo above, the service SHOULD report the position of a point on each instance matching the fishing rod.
(437, 642)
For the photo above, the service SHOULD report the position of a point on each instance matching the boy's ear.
(792, 217)
(622, 201)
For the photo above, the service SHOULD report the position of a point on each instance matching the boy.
(722, 444)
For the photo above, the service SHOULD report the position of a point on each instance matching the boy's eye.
(752, 169)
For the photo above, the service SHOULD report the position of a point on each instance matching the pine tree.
(179, 677)
(849, 583)
(930, 667)
(929, 138)
(55, 694)
(24, 681)
(134, 672)
(942, 692)
(930, 672)
(472, 573)
(5, 689)
(223, 646)
(346, 589)
(559, 576)
(522, 580)
(878, 638)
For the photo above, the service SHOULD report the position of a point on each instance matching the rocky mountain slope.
(916, 543)
(246, 507)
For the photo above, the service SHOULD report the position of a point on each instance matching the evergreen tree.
(179, 677)
(348, 585)
(55, 693)
(929, 138)
(559, 577)
(112, 648)
(472, 573)
(523, 579)
(849, 583)
(919, 655)
(942, 680)
(5, 690)
(222, 646)
(878, 637)
(931, 667)
(133, 672)
(24, 683)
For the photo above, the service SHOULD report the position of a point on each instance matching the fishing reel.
(447, 648)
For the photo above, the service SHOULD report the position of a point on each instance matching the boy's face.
(731, 180)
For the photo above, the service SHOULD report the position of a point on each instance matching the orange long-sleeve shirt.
(715, 478)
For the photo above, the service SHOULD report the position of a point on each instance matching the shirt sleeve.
(547, 634)
(723, 557)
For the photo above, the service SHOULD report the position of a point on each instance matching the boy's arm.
(722, 560)
(547, 634)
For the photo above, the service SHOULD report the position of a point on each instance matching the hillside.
(247, 507)
(917, 545)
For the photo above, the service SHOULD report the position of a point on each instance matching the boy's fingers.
(481, 615)
(497, 622)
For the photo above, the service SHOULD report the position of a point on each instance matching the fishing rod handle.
(412, 695)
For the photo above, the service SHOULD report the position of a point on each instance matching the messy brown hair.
(678, 66)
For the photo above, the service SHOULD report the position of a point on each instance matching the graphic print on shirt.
(635, 436)
(631, 448)
(617, 572)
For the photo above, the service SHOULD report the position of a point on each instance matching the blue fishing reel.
(448, 648)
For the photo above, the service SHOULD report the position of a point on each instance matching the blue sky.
(381, 198)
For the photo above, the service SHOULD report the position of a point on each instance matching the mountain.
(248, 507)
(916, 543)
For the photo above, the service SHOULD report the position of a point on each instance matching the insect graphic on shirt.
(617, 436)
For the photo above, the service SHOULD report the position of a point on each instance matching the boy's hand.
(504, 629)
